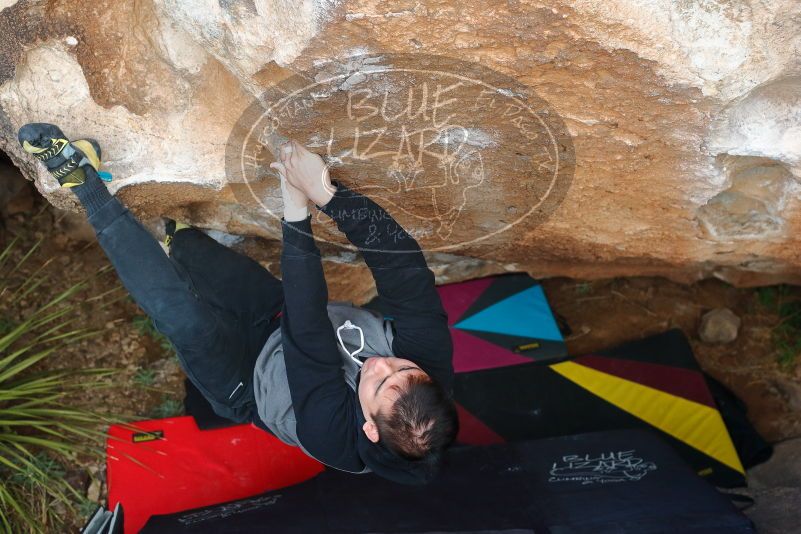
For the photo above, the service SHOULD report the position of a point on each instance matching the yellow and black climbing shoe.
(64, 159)
(170, 227)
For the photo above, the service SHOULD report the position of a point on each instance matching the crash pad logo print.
(226, 510)
(456, 152)
(621, 466)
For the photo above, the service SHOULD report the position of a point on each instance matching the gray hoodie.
(270, 385)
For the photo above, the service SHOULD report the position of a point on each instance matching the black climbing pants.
(216, 306)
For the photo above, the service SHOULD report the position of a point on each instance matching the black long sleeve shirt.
(329, 417)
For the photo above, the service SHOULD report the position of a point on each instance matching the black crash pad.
(605, 482)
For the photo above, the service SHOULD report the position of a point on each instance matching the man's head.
(405, 408)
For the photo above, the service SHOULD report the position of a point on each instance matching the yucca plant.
(40, 433)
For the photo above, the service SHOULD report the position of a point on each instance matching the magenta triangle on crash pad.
(471, 353)
(684, 383)
(457, 298)
(473, 431)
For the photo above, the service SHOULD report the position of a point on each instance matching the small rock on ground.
(719, 326)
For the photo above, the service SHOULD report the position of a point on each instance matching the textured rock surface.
(685, 117)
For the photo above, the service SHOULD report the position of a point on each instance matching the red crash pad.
(169, 465)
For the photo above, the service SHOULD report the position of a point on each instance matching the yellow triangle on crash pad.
(697, 425)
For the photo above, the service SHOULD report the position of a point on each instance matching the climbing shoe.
(65, 160)
(170, 227)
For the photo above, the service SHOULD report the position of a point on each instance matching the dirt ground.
(600, 313)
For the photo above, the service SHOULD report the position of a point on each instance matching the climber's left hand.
(295, 201)
(307, 171)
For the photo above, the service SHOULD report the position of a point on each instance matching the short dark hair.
(423, 421)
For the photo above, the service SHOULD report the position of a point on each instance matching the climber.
(358, 389)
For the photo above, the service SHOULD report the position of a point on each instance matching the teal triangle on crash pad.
(524, 314)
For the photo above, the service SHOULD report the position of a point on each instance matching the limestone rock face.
(560, 137)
